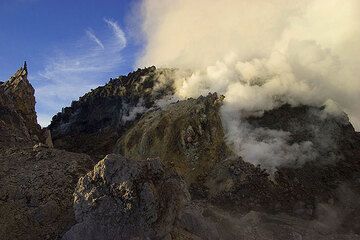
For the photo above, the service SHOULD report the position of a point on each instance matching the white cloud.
(93, 37)
(118, 32)
(71, 72)
(260, 55)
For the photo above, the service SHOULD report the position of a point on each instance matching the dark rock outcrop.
(192, 186)
(22, 93)
(36, 181)
(203, 221)
(93, 124)
(18, 124)
(332, 135)
(36, 189)
(188, 135)
(126, 199)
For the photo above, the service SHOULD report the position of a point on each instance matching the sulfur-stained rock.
(187, 135)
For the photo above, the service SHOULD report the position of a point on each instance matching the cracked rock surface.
(36, 192)
(126, 199)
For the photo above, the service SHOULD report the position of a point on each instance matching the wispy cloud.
(118, 32)
(73, 71)
(93, 37)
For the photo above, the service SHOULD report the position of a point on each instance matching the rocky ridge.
(93, 124)
(18, 123)
(36, 181)
(173, 175)
(187, 135)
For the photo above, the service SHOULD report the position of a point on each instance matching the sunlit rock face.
(187, 135)
(94, 122)
(127, 199)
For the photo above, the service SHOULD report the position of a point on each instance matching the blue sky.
(70, 46)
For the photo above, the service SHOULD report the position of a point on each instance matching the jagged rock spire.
(22, 93)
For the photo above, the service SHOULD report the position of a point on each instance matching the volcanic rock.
(187, 135)
(21, 93)
(192, 185)
(93, 124)
(18, 124)
(36, 181)
(126, 199)
(36, 188)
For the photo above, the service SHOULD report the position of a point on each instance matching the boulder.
(126, 199)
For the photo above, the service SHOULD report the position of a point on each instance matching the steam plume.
(259, 54)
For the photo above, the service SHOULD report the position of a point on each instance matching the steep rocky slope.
(94, 123)
(36, 181)
(187, 135)
(174, 174)
(128, 199)
(18, 123)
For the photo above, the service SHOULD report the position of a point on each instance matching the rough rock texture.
(191, 187)
(21, 93)
(18, 124)
(338, 148)
(36, 187)
(187, 135)
(94, 123)
(126, 199)
(36, 181)
(203, 221)
(297, 190)
(332, 135)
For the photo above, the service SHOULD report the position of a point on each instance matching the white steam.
(260, 54)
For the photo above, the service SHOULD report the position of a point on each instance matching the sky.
(302, 54)
(70, 46)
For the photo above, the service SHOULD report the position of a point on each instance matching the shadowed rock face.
(196, 189)
(188, 135)
(18, 123)
(126, 199)
(37, 190)
(22, 93)
(36, 181)
(94, 123)
(331, 135)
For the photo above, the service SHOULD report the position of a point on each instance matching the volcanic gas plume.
(260, 55)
